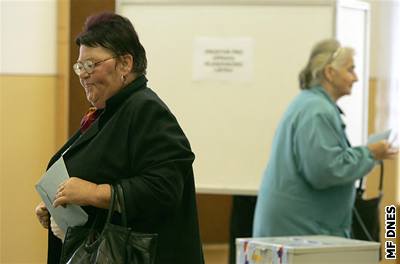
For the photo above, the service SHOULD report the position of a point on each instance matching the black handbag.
(112, 244)
(366, 224)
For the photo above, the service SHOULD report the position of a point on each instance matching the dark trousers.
(241, 224)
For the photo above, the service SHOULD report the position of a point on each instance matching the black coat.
(138, 142)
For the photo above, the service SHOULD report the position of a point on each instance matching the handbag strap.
(117, 198)
(360, 188)
(121, 203)
(117, 195)
(111, 205)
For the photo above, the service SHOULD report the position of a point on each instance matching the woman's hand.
(75, 191)
(57, 231)
(81, 192)
(382, 150)
(43, 215)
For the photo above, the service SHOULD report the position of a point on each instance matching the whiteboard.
(229, 120)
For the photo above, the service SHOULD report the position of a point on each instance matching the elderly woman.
(308, 185)
(129, 137)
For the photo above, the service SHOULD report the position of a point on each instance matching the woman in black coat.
(128, 137)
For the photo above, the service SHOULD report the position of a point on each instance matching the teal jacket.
(308, 185)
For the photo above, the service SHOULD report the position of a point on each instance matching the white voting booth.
(306, 250)
(228, 70)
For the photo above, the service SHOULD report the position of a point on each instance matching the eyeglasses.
(87, 66)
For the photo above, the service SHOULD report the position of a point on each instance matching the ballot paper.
(390, 135)
(71, 215)
(394, 139)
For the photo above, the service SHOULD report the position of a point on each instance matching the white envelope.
(71, 215)
(379, 136)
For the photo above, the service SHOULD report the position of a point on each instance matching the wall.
(27, 141)
(64, 70)
(27, 122)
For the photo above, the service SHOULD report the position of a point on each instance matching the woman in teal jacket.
(308, 186)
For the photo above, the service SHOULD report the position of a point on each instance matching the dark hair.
(115, 33)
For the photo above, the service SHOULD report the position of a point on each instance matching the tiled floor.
(216, 253)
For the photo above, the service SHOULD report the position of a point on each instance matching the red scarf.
(91, 115)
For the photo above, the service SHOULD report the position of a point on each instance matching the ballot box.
(306, 250)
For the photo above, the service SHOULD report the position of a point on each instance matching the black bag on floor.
(112, 244)
(366, 224)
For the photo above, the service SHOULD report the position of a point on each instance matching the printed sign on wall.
(223, 59)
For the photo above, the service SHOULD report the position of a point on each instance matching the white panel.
(28, 37)
(352, 30)
(230, 124)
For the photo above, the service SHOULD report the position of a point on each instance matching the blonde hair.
(324, 53)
